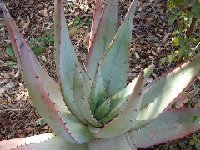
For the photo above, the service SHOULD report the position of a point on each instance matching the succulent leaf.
(104, 34)
(118, 101)
(99, 94)
(40, 142)
(14, 143)
(97, 15)
(66, 59)
(81, 99)
(103, 109)
(157, 97)
(116, 143)
(115, 58)
(48, 100)
(170, 125)
(127, 117)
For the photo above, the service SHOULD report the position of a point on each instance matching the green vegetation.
(185, 17)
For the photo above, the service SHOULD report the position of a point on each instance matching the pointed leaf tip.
(175, 82)
(114, 63)
(104, 29)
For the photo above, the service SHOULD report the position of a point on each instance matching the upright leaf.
(127, 117)
(65, 58)
(103, 34)
(80, 98)
(114, 64)
(97, 15)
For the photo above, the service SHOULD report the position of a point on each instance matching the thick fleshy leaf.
(97, 15)
(66, 59)
(40, 142)
(48, 100)
(170, 125)
(103, 35)
(118, 101)
(81, 99)
(127, 117)
(114, 63)
(103, 109)
(157, 97)
(99, 94)
(122, 142)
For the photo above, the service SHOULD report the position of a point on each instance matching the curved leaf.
(97, 15)
(43, 91)
(118, 101)
(114, 63)
(98, 94)
(103, 109)
(167, 88)
(66, 59)
(80, 98)
(105, 32)
(170, 125)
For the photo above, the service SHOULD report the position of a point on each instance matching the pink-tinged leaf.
(163, 92)
(103, 32)
(97, 14)
(66, 60)
(14, 143)
(170, 125)
(114, 64)
(127, 117)
(43, 91)
(40, 142)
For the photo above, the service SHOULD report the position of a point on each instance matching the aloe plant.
(95, 108)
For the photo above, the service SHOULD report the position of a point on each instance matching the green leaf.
(175, 41)
(114, 64)
(172, 19)
(9, 51)
(66, 60)
(37, 50)
(102, 35)
(117, 143)
(170, 125)
(118, 101)
(99, 94)
(48, 100)
(10, 63)
(158, 96)
(80, 98)
(103, 109)
(196, 9)
(127, 117)
(195, 118)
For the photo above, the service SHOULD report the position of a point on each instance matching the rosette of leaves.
(94, 108)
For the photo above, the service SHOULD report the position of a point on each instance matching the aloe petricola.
(95, 108)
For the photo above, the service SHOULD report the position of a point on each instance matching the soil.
(151, 42)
